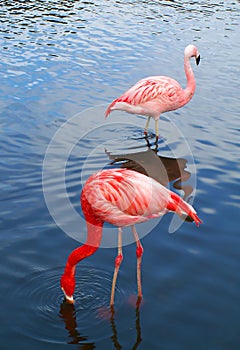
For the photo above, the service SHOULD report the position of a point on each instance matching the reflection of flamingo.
(162, 169)
(114, 337)
(68, 314)
(121, 197)
(153, 96)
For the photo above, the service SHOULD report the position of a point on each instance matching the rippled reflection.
(162, 169)
(68, 315)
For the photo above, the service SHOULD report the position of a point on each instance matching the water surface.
(61, 64)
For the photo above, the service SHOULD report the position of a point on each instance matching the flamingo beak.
(69, 299)
(198, 60)
(187, 218)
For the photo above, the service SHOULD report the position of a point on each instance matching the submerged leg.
(156, 129)
(147, 125)
(118, 261)
(139, 252)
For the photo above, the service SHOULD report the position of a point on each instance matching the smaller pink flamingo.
(121, 197)
(155, 95)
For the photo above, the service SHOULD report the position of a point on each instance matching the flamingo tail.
(178, 205)
(109, 109)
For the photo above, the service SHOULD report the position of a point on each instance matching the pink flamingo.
(121, 197)
(155, 95)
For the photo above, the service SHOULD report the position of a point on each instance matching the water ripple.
(46, 316)
(59, 57)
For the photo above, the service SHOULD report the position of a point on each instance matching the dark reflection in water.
(162, 169)
(114, 337)
(68, 314)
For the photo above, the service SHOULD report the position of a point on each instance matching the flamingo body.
(155, 95)
(124, 197)
(121, 197)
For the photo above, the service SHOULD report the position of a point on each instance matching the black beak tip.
(186, 218)
(198, 60)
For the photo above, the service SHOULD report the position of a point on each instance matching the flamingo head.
(68, 286)
(192, 51)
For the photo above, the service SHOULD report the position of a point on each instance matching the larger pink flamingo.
(121, 197)
(155, 95)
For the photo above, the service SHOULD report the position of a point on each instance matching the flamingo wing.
(151, 88)
(163, 92)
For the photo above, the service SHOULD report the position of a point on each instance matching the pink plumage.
(155, 95)
(123, 198)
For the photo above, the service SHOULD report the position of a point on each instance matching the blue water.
(61, 64)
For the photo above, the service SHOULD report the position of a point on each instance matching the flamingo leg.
(156, 128)
(118, 261)
(139, 252)
(147, 125)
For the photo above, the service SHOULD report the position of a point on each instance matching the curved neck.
(191, 83)
(94, 236)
